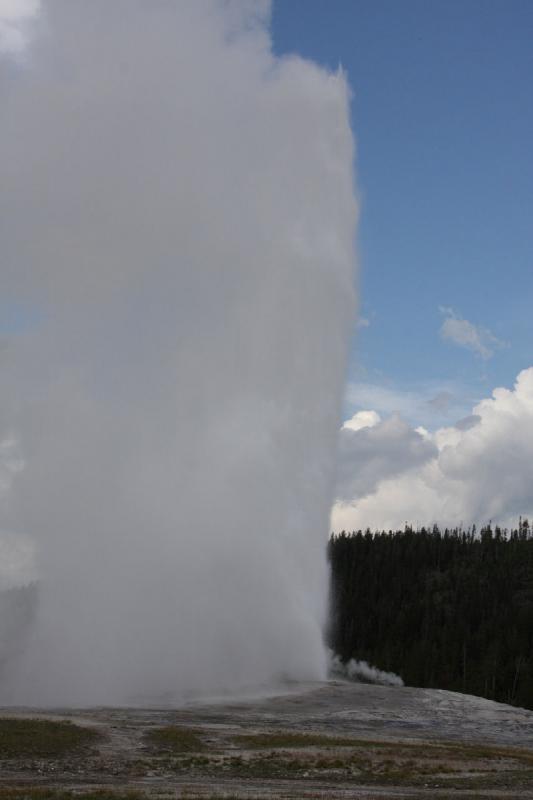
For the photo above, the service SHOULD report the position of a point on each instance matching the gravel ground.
(368, 742)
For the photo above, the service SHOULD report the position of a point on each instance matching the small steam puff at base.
(361, 672)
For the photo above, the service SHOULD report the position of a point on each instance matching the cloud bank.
(473, 472)
(177, 208)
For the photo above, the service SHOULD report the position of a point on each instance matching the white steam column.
(177, 222)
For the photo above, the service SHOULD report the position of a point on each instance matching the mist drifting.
(177, 220)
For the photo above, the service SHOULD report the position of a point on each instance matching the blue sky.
(443, 118)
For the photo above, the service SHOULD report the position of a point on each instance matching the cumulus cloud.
(362, 419)
(475, 471)
(16, 18)
(468, 422)
(477, 339)
(177, 204)
(375, 451)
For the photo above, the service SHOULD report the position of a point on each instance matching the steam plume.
(362, 672)
(177, 218)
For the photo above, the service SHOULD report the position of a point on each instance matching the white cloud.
(16, 17)
(477, 470)
(465, 334)
(362, 419)
(372, 452)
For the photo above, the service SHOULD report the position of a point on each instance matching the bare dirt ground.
(334, 740)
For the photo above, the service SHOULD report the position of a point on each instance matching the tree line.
(447, 609)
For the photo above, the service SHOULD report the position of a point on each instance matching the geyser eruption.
(177, 250)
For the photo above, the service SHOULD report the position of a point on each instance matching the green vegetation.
(40, 738)
(265, 741)
(448, 609)
(175, 739)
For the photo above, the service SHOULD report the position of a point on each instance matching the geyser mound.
(177, 231)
